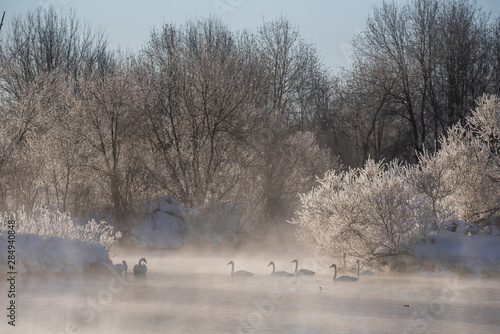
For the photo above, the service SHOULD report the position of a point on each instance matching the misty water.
(177, 297)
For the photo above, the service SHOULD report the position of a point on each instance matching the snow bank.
(169, 225)
(50, 241)
(163, 227)
(462, 252)
(37, 253)
(468, 251)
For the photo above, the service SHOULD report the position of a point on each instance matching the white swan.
(121, 267)
(140, 269)
(239, 272)
(366, 272)
(278, 273)
(344, 278)
(302, 271)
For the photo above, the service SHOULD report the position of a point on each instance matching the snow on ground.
(45, 240)
(37, 253)
(163, 227)
(461, 252)
(169, 225)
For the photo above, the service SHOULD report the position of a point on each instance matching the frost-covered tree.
(476, 147)
(437, 59)
(41, 41)
(42, 54)
(434, 182)
(384, 209)
(107, 124)
(368, 213)
(205, 83)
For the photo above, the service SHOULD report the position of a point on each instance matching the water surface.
(197, 302)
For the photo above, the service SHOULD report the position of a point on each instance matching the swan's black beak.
(332, 266)
(269, 264)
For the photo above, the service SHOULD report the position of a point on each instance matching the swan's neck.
(358, 270)
(296, 267)
(273, 268)
(335, 275)
(232, 269)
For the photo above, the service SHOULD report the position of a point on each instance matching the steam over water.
(197, 295)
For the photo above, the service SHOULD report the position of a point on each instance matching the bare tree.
(107, 124)
(41, 41)
(205, 82)
(365, 126)
(438, 54)
(42, 56)
(293, 72)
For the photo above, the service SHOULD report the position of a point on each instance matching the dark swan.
(239, 272)
(140, 269)
(344, 278)
(121, 267)
(278, 273)
(301, 271)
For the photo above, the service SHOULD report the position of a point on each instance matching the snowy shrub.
(434, 183)
(470, 154)
(468, 166)
(485, 120)
(357, 213)
(384, 209)
(43, 222)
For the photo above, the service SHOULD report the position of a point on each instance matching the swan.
(366, 272)
(301, 271)
(239, 272)
(344, 278)
(140, 269)
(121, 267)
(278, 273)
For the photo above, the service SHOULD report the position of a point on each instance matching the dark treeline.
(242, 121)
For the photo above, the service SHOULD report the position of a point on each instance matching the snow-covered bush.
(46, 223)
(484, 121)
(369, 212)
(467, 164)
(470, 154)
(434, 183)
(48, 241)
(384, 209)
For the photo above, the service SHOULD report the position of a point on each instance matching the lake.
(208, 300)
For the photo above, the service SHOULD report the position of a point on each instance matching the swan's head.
(333, 266)
(230, 262)
(143, 259)
(295, 261)
(124, 263)
(270, 263)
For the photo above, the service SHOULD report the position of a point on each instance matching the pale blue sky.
(330, 25)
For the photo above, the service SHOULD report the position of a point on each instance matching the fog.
(191, 291)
